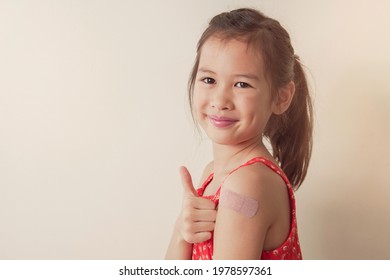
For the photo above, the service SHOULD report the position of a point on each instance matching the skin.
(231, 83)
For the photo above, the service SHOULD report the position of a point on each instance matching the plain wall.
(94, 124)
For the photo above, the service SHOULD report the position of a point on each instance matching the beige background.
(94, 124)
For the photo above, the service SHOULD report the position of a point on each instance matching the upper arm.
(237, 236)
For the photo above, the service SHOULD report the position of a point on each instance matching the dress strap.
(200, 190)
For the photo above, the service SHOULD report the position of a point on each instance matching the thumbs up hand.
(197, 217)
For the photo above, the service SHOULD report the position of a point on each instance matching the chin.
(223, 139)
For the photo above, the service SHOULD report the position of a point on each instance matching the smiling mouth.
(221, 122)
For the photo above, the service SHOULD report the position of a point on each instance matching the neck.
(227, 157)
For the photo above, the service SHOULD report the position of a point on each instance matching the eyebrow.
(204, 70)
(243, 75)
(248, 76)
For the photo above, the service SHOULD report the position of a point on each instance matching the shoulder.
(209, 168)
(252, 178)
(258, 182)
(207, 171)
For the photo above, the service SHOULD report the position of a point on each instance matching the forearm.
(178, 248)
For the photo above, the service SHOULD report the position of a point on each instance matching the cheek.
(255, 110)
(199, 101)
(248, 105)
(195, 107)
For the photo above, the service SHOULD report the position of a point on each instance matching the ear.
(283, 100)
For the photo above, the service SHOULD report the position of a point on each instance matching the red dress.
(289, 250)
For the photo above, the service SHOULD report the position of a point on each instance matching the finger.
(205, 216)
(201, 237)
(200, 203)
(196, 215)
(203, 227)
(186, 180)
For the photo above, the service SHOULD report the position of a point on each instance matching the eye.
(242, 85)
(208, 80)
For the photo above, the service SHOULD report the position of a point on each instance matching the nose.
(221, 99)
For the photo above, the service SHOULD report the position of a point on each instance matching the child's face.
(232, 100)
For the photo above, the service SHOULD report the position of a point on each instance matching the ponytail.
(290, 134)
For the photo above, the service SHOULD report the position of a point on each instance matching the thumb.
(186, 181)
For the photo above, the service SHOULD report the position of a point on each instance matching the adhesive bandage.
(242, 204)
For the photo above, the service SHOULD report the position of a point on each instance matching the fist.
(197, 217)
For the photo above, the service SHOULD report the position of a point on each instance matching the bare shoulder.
(207, 171)
(209, 167)
(258, 182)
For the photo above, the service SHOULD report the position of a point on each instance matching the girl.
(246, 86)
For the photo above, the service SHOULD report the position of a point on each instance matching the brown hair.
(290, 133)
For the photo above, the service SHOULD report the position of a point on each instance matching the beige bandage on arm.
(242, 204)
